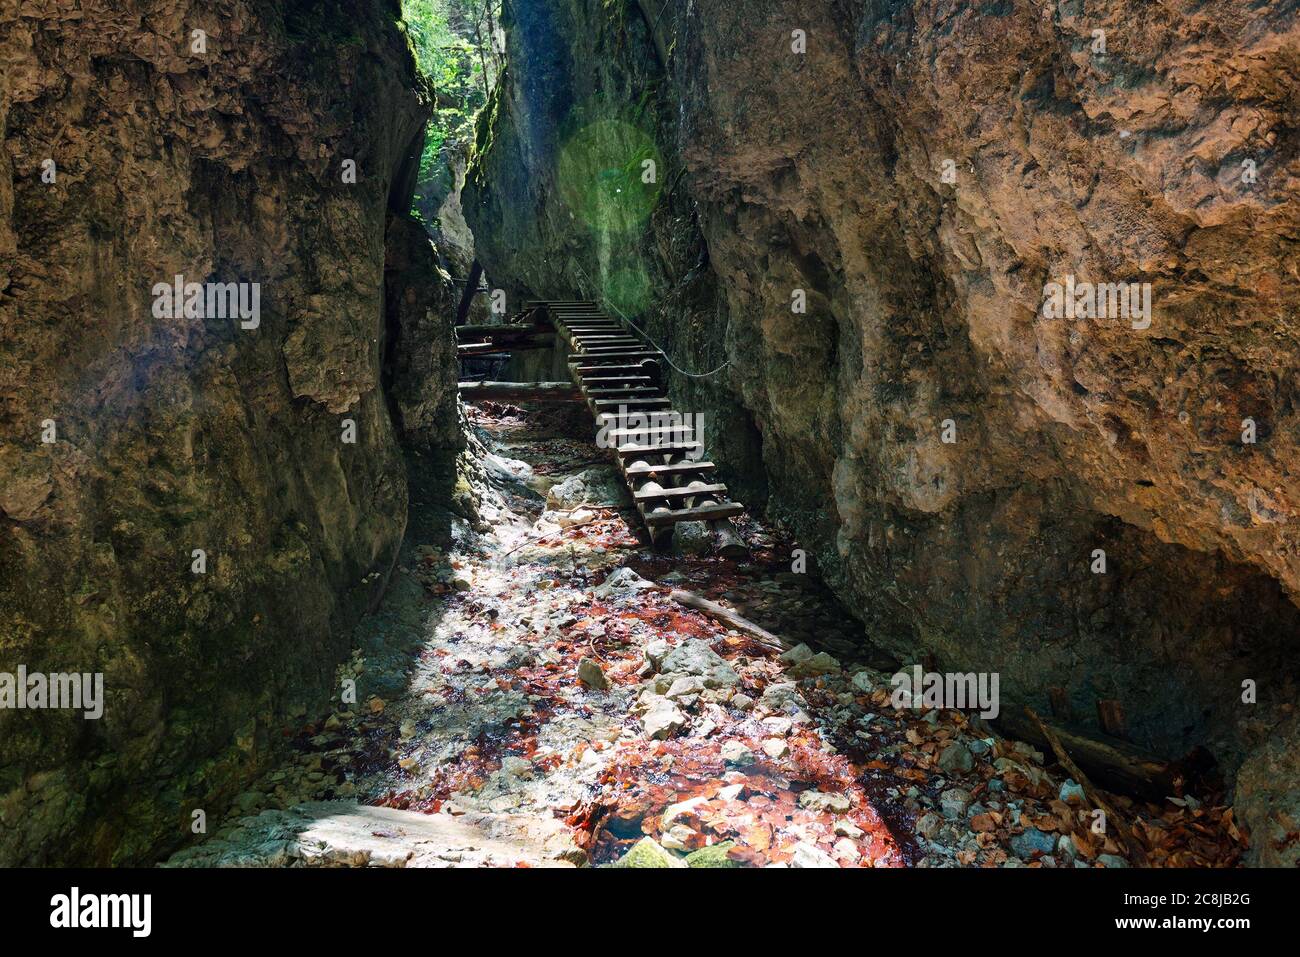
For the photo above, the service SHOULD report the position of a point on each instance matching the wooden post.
(468, 293)
(728, 540)
(1110, 715)
(1060, 701)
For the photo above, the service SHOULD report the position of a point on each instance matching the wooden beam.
(674, 468)
(682, 491)
(589, 380)
(634, 449)
(589, 358)
(730, 619)
(1110, 715)
(632, 392)
(728, 540)
(652, 402)
(1060, 701)
(653, 433)
(602, 369)
(487, 330)
(506, 345)
(520, 391)
(702, 514)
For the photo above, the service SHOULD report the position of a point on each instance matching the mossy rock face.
(647, 852)
(714, 855)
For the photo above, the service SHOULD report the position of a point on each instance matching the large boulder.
(694, 657)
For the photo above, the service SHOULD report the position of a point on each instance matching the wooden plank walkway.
(620, 374)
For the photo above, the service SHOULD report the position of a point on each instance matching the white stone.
(807, 855)
(825, 801)
(662, 719)
(846, 850)
(846, 828)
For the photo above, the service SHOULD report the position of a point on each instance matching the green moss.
(484, 131)
(648, 853)
(714, 855)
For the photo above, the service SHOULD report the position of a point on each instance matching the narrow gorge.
(982, 311)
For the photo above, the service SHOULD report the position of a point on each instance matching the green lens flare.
(609, 175)
(628, 289)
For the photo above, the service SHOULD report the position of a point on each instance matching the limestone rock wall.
(420, 367)
(921, 171)
(175, 434)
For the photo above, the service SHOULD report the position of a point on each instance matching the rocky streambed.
(531, 695)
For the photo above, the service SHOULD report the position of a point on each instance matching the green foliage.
(451, 41)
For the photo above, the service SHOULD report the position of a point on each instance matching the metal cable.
(662, 350)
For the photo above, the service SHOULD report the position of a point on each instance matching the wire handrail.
(667, 358)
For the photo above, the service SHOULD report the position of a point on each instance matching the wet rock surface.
(702, 750)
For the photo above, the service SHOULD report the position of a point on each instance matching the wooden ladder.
(617, 370)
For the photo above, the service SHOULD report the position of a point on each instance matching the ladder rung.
(663, 448)
(656, 433)
(656, 401)
(702, 514)
(676, 468)
(615, 378)
(603, 356)
(680, 492)
(600, 367)
(640, 390)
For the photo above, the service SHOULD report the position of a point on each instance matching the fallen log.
(520, 391)
(1116, 765)
(730, 619)
(1125, 834)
